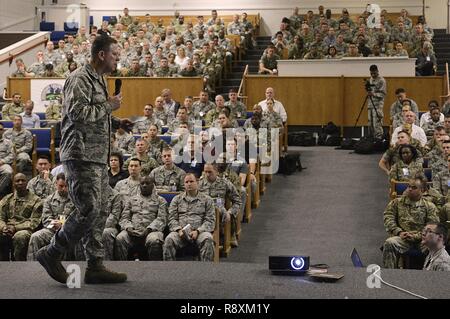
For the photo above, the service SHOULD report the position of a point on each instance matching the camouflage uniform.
(164, 117)
(238, 110)
(53, 112)
(401, 215)
(55, 206)
(157, 143)
(438, 261)
(396, 108)
(114, 212)
(126, 20)
(23, 141)
(86, 132)
(37, 68)
(24, 213)
(127, 188)
(436, 160)
(6, 171)
(197, 211)
(273, 119)
(376, 109)
(164, 72)
(9, 110)
(166, 179)
(41, 187)
(211, 116)
(125, 142)
(391, 155)
(221, 190)
(147, 215)
(430, 126)
(201, 109)
(441, 182)
(142, 126)
(148, 164)
(403, 172)
(270, 63)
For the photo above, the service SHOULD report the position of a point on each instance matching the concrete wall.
(17, 15)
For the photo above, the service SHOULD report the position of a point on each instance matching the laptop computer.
(356, 259)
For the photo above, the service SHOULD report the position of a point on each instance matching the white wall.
(271, 11)
(17, 15)
(28, 56)
(436, 13)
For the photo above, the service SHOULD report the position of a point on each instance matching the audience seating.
(43, 143)
(6, 123)
(428, 174)
(47, 26)
(55, 36)
(71, 27)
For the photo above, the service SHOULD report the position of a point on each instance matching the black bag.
(289, 163)
(365, 145)
(331, 129)
(333, 140)
(301, 138)
(330, 135)
(348, 143)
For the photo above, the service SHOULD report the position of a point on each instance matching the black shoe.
(52, 265)
(100, 275)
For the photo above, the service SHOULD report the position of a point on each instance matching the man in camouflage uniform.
(268, 63)
(126, 19)
(375, 104)
(135, 69)
(57, 208)
(113, 211)
(202, 106)
(86, 131)
(53, 111)
(13, 108)
(404, 219)
(182, 117)
(168, 177)
(20, 214)
(147, 163)
(197, 210)
(130, 186)
(162, 116)
(125, 141)
(143, 220)
(142, 126)
(237, 108)
(6, 160)
(23, 142)
(433, 123)
(213, 114)
(42, 184)
(221, 190)
(164, 71)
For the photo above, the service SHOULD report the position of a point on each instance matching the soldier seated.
(20, 214)
(6, 160)
(42, 184)
(168, 177)
(143, 221)
(23, 141)
(191, 220)
(404, 219)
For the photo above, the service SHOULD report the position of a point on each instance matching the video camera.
(368, 86)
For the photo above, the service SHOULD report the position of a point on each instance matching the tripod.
(371, 128)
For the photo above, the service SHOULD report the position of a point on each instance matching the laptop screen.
(355, 259)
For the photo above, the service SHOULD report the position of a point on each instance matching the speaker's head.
(295, 264)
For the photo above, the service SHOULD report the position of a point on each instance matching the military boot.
(96, 273)
(52, 264)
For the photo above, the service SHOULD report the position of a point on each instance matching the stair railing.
(241, 86)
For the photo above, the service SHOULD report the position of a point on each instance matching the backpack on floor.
(348, 143)
(289, 163)
(301, 138)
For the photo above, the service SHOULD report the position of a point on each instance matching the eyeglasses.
(426, 231)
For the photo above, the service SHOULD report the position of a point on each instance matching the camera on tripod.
(368, 86)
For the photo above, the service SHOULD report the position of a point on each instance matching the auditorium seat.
(71, 28)
(47, 26)
(55, 36)
(168, 196)
(43, 143)
(428, 174)
(6, 123)
(166, 138)
(398, 188)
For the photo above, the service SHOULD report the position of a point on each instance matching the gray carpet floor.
(324, 211)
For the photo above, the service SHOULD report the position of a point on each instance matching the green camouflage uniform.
(6, 171)
(55, 206)
(403, 172)
(24, 213)
(9, 110)
(201, 109)
(114, 212)
(53, 111)
(238, 110)
(402, 215)
(148, 164)
(375, 109)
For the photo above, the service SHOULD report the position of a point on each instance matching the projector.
(289, 264)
